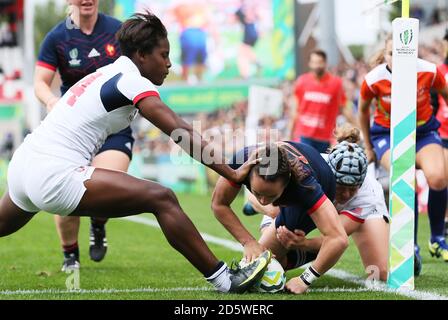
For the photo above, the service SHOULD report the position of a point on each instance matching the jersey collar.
(127, 64)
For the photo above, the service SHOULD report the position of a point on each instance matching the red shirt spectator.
(318, 105)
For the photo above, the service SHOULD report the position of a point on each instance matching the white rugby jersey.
(367, 201)
(100, 104)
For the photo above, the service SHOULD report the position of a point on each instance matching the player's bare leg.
(431, 160)
(12, 218)
(68, 229)
(372, 240)
(445, 154)
(117, 194)
(108, 159)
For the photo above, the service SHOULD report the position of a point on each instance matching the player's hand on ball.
(296, 286)
(252, 249)
(291, 240)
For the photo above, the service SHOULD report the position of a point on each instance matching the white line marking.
(336, 273)
(155, 290)
(85, 291)
(415, 294)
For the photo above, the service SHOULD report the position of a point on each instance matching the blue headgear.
(349, 163)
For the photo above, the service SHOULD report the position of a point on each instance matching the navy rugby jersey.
(318, 185)
(76, 54)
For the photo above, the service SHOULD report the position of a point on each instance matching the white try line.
(100, 291)
(157, 290)
(340, 274)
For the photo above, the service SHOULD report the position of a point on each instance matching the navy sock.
(416, 218)
(70, 249)
(436, 212)
(98, 223)
(218, 266)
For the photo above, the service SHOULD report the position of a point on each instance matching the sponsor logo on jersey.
(110, 50)
(382, 143)
(74, 61)
(387, 98)
(93, 53)
(317, 97)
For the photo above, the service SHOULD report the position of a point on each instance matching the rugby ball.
(273, 279)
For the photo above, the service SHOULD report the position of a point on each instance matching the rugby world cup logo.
(74, 61)
(406, 37)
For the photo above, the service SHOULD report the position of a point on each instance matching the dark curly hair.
(279, 161)
(141, 33)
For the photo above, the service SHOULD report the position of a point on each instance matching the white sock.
(221, 279)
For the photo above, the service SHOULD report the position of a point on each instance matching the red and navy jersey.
(76, 54)
(318, 185)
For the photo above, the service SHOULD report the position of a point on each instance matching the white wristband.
(309, 275)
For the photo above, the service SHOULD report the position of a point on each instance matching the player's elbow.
(219, 201)
(37, 87)
(215, 203)
(216, 207)
(343, 242)
(340, 242)
(220, 210)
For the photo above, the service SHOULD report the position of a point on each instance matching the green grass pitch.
(141, 265)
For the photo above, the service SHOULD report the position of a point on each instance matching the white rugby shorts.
(41, 182)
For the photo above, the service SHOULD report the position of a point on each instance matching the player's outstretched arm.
(42, 86)
(158, 113)
(222, 198)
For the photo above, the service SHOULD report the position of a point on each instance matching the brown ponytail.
(348, 133)
(378, 57)
(298, 172)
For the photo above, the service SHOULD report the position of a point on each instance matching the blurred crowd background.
(262, 43)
